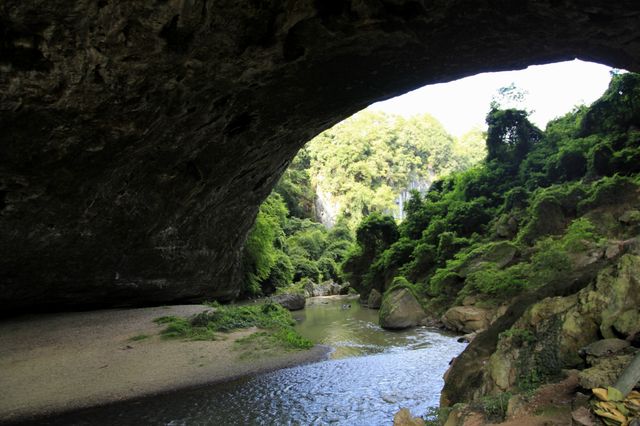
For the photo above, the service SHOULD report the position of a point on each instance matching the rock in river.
(400, 309)
(291, 301)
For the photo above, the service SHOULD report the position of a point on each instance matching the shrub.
(516, 198)
(519, 336)
(495, 406)
(498, 282)
(328, 269)
(281, 274)
(580, 232)
(303, 267)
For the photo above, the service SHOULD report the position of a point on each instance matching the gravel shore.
(52, 363)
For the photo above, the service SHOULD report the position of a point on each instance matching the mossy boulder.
(605, 372)
(630, 217)
(545, 340)
(400, 309)
(615, 297)
(603, 348)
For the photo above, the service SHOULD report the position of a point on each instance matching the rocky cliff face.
(138, 138)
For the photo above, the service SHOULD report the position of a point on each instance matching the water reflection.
(354, 331)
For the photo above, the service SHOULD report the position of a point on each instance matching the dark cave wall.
(138, 138)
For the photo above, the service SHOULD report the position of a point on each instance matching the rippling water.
(372, 373)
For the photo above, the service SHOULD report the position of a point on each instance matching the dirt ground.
(57, 362)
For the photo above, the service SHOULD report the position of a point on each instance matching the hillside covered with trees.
(363, 165)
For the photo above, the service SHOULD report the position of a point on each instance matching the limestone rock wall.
(138, 138)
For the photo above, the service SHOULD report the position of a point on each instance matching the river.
(369, 375)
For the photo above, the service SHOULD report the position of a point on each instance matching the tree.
(510, 136)
(375, 234)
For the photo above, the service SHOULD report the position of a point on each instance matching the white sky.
(553, 90)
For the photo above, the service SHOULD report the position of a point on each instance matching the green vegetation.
(282, 250)
(437, 416)
(366, 161)
(271, 317)
(519, 336)
(495, 406)
(527, 216)
(362, 165)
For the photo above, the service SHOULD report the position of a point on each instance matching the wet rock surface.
(139, 138)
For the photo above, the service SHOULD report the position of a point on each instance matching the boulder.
(327, 288)
(605, 372)
(375, 299)
(291, 301)
(466, 319)
(589, 256)
(467, 338)
(469, 301)
(603, 348)
(400, 309)
(404, 418)
(309, 288)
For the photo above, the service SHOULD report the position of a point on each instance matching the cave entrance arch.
(137, 142)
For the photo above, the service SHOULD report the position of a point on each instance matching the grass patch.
(275, 320)
(495, 406)
(270, 342)
(184, 328)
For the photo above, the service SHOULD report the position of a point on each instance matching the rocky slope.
(139, 138)
(585, 330)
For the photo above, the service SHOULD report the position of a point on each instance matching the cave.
(139, 138)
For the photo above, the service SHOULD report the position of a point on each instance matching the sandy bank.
(58, 362)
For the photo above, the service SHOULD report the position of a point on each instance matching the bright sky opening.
(553, 90)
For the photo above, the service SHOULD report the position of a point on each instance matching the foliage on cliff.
(524, 217)
(283, 249)
(367, 160)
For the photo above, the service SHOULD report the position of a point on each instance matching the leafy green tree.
(262, 248)
(296, 189)
(374, 235)
(510, 135)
